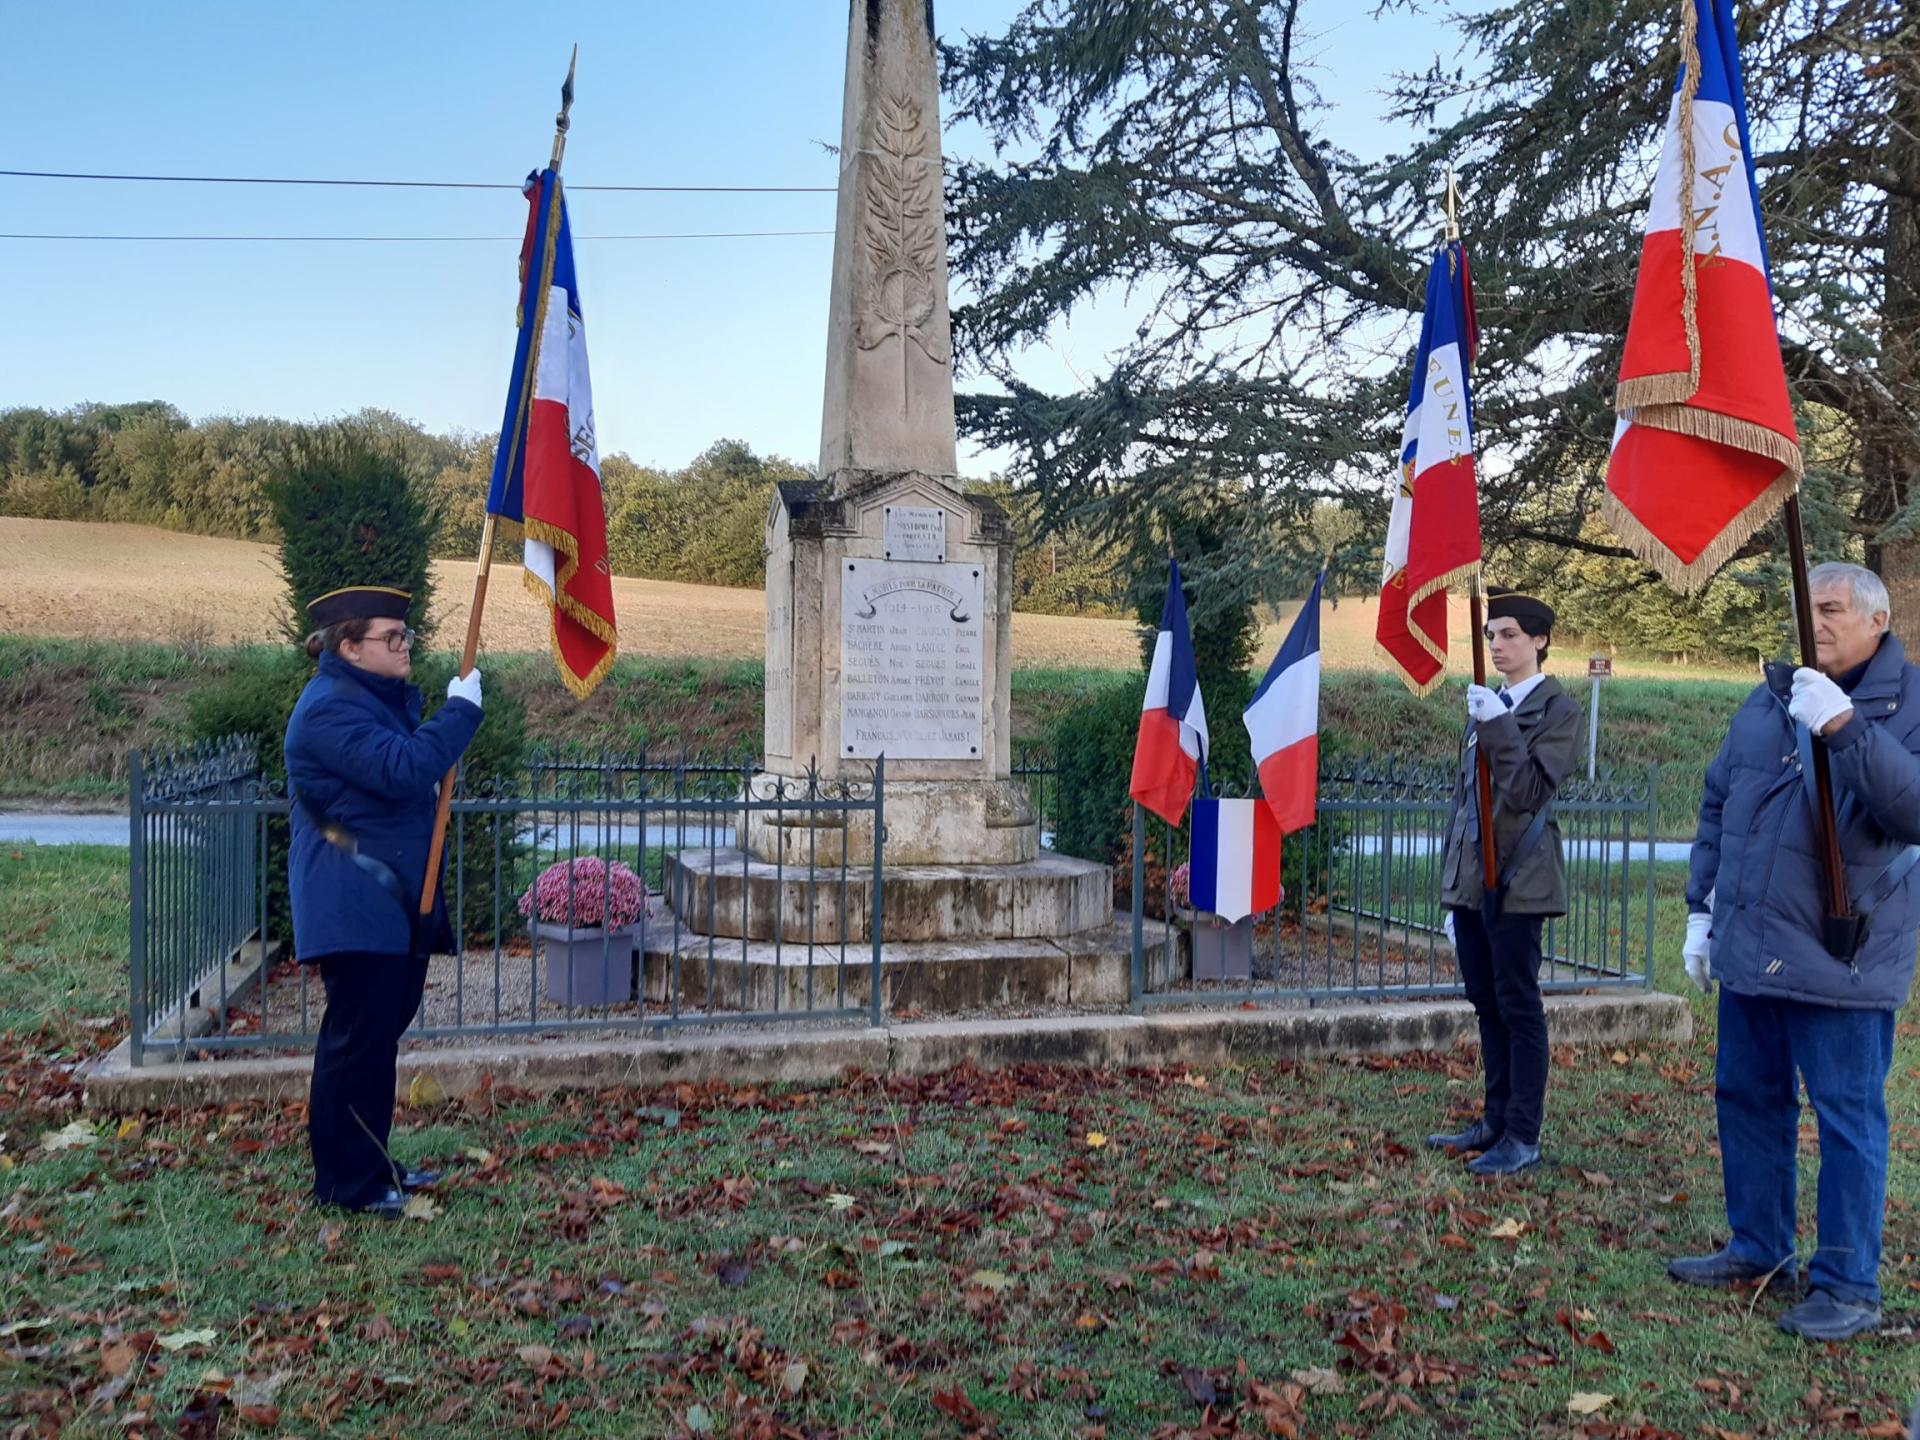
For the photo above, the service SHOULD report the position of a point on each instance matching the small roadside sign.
(1599, 667)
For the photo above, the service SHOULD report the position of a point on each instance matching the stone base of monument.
(931, 977)
(729, 893)
(956, 822)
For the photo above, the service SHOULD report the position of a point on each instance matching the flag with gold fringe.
(1704, 446)
(1433, 534)
(546, 474)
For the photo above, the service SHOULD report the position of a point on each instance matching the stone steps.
(933, 977)
(730, 894)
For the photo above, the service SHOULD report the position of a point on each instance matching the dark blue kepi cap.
(358, 602)
(1504, 604)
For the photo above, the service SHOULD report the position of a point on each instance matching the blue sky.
(691, 340)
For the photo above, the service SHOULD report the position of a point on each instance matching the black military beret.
(1505, 604)
(358, 602)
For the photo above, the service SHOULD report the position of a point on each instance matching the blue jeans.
(1843, 1056)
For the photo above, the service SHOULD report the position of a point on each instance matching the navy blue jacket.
(1758, 847)
(357, 752)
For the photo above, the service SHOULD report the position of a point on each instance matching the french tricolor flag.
(546, 473)
(1234, 863)
(1284, 721)
(1433, 531)
(1172, 746)
(1704, 449)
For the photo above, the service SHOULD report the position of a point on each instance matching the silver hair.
(1869, 591)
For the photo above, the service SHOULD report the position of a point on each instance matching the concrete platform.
(729, 893)
(820, 1055)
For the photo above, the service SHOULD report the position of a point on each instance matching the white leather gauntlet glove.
(465, 687)
(1697, 950)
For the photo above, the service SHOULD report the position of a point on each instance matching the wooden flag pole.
(429, 887)
(1476, 609)
(1839, 902)
(1489, 859)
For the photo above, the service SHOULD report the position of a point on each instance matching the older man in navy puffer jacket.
(1790, 1006)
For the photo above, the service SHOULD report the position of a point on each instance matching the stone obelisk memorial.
(889, 597)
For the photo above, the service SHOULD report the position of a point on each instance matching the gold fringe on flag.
(1414, 687)
(1659, 402)
(1682, 576)
(1459, 575)
(568, 548)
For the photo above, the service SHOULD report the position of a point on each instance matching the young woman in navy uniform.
(364, 773)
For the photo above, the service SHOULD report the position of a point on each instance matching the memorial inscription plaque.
(910, 660)
(916, 532)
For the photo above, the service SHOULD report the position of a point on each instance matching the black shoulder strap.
(1523, 847)
(377, 870)
(1888, 880)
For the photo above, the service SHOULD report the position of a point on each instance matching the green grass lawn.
(1036, 1253)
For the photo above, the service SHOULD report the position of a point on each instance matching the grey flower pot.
(588, 967)
(1221, 951)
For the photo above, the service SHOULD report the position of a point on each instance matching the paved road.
(63, 829)
(18, 827)
(112, 830)
(1636, 850)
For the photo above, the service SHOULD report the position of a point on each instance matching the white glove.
(1447, 925)
(1696, 950)
(1483, 705)
(465, 687)
(1817, 702)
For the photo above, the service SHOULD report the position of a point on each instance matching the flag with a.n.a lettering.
(1704, 446)
(546, 474)
(1433, 534)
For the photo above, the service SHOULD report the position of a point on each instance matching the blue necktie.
(1506, 699)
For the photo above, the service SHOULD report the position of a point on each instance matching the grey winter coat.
(1758, 847)
(1529, 751)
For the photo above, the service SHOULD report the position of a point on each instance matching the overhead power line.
(420, 184)
(419, 239)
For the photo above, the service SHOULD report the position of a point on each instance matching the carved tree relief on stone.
(901, 233)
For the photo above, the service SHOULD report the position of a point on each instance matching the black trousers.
(370, 1001)
(1501, 968)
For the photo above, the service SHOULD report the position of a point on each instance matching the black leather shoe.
(1472, 1140)
(1824, 1316)
(419, 1180)
(1724, 1268)
(1509, 1157)
(390, 1206)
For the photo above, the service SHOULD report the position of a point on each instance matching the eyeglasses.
(398, 640)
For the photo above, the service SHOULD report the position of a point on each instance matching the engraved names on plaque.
(916, 532)
(910, 660)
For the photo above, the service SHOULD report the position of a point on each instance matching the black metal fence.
(1360, 917)
(723, 937)
(729, 935)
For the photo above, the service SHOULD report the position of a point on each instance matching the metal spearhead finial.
(566, 93)
(560, 121)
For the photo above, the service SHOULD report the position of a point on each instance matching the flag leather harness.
(1842, 934)
(375, 869)
(1492, 902)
